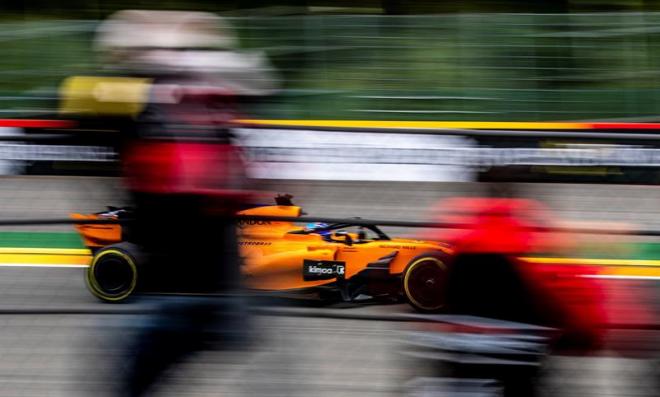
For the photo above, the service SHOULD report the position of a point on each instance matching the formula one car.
(343, 261)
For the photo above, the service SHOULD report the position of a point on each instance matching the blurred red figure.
(185, 146)
(186, 181)
(490, 278)
(185, 176)
(499, 225)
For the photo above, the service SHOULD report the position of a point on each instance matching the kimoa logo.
(319, 270)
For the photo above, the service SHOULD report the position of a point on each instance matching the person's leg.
(164, 338)
(191, 252)
(172, 331)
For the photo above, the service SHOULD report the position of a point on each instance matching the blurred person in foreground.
(520, 250)
(174, 89)
(510, 263)
(491, 276)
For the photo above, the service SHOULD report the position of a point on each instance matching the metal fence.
(439, 67)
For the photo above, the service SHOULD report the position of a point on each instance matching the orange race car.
(331, 261)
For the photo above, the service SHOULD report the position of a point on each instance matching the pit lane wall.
(442, 157)
(395, 151)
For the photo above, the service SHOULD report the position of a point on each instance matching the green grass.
(40, 240)
(640, 250)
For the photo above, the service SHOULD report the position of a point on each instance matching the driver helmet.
(313, 227)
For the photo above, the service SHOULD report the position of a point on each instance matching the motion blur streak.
(172, 94)
(507, 116)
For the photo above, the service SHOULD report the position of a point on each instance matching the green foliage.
(440, 67)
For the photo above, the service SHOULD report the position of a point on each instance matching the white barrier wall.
(291, 154)
(367, 156)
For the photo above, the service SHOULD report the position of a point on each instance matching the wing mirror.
(348, 240)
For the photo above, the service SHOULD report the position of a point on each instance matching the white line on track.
(42, 265)
(622, 277)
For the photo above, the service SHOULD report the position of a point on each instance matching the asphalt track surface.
(74, 347)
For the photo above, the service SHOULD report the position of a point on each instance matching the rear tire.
(113, 274)
(424, 282)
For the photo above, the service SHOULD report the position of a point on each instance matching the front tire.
(113, 274)
(424, 282)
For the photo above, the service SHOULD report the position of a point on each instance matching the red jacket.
(183, 148)
(516, 228)
(170, 167)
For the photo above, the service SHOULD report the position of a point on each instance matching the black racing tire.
(112, 275)
(424, 282)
